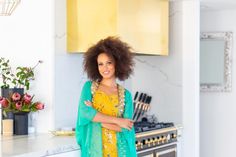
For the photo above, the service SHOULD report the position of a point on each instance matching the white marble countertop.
(36, 145)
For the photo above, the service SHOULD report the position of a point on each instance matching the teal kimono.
(89, 133)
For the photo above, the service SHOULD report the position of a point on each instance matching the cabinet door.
(144, 24)
(68, 154)
(169, 151)
(89, 21)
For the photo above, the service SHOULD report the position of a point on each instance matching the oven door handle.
(165, 151)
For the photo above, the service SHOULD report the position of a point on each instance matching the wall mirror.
(215, 61)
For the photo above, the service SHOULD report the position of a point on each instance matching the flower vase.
(21, 123)
(32, 122)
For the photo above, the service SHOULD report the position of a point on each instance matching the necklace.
(108, 89)
(107, 86)
(121, 96)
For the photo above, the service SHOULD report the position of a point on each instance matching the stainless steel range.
(152, 139)
(156, 139)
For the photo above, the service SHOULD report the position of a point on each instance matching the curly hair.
(115, 48)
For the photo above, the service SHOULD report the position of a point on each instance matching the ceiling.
(218, 4)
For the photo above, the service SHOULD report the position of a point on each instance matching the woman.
(104, 125)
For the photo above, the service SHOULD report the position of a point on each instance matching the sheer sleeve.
(129, 134)
(128, 113)
(85, 113)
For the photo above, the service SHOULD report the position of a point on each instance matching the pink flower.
(16, 96)
(39, 106)
(27, 98)
(18, 105)
(4, 102)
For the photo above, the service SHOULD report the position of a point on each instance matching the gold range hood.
(143, 24)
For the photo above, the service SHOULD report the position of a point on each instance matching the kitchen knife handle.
(140, 97)
(144, 98)
(150, 99)
(147, 99)
(136, 95)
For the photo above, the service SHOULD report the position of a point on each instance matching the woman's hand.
(88, 103)
(125, 123)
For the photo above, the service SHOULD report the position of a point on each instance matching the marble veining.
(162, 72)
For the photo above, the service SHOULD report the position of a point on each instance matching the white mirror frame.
(227, 85)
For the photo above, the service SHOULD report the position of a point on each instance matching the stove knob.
(173, 135)
(139, 144)
(148, 143)
(154, 142)
(151, 142)
(159, 140)
(168, 137)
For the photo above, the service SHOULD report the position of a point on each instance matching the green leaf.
(27, 85)
(19, 68)
(26, 110)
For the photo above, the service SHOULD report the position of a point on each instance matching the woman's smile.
(106, 66)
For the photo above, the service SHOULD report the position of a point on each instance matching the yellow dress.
(107, 104)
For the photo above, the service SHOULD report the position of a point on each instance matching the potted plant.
(20, 106)
(13, 84)
(15, 81)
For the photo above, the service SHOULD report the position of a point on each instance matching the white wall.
(218, 110)
(190, 43)
(26, 37)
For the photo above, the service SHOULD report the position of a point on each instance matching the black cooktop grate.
(147, 126)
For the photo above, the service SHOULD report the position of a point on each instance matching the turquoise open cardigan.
(89, 133)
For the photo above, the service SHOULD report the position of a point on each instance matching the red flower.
(4, 102)
(16, 96)
(18, 105)
(27, 98)
(39, 106)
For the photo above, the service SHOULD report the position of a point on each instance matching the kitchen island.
(39, 145)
